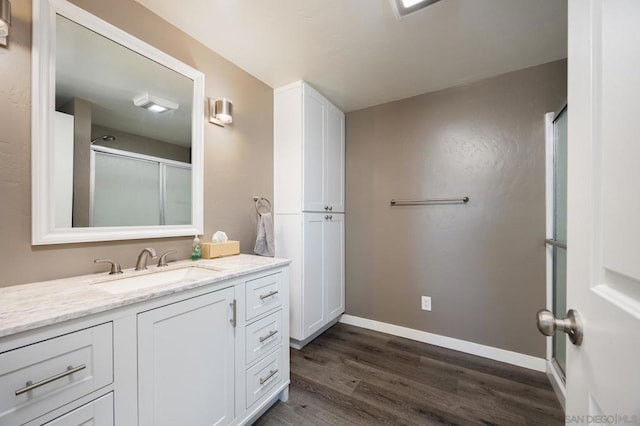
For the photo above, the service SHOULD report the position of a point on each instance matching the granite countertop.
(29, 306)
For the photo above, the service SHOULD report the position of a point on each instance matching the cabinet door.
(334, 160)
(313, 296)
(186, 362)
(314, 119)
(334, 265)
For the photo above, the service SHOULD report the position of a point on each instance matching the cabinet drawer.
(263, 295)
(263, 377)
(97, 413)
(263, 336)
(38, 378)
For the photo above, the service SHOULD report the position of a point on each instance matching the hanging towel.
(264, 241)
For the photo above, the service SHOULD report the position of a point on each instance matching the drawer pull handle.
(270, 375)
(234, 307)
(271, 293)
(268, 336)
(31, 386)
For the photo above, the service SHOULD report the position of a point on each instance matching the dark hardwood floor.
(354, 376)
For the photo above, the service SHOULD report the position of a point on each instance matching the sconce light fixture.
(154, 103)
(220, 111)
(5, 21)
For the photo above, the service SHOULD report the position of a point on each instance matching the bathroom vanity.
(194, 343)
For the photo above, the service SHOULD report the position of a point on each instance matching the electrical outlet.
(426, 303)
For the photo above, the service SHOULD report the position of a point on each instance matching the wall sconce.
(5, 21)
(220, 111)
(154, 103)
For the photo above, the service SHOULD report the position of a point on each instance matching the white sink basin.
(123, 283)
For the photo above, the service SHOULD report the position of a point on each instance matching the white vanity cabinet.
(309, 153)
(186, 361)
(214, 353)
(262, 351)
(53, 372)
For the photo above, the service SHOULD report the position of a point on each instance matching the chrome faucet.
(115, 266)
(145, 254)
(163, 258)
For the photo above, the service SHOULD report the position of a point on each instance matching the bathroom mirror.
(117, 133)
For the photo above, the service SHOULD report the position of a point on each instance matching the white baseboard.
(557, 384)
(497, 354)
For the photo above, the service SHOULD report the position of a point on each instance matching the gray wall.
(238, 158)
(483, 263)
(81, 111)
(140, 144)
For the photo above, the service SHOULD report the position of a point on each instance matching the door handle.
(572, 325)
(233, 319)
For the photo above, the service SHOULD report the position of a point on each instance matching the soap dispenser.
(197, 252)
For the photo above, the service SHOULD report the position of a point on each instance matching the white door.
(603, 374)
(186, 362)
(334, 160)
(313, 296)
(334, 264)
(314, 128)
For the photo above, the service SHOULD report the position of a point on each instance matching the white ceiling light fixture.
(154, 103)
(220, 111)
(404, 7)
(5, 21)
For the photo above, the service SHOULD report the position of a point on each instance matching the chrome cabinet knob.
(326, 217)
(330, 208)
(572, 325)
(326, 207)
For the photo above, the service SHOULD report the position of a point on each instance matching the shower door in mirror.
(129, 189)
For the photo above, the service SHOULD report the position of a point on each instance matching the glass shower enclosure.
(557, 240)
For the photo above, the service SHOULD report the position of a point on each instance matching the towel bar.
(461, 200)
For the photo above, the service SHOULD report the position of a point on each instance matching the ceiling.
(358, 54)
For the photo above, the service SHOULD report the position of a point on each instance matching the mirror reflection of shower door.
(559, 236)
(125, 191)
(129, 189)
(177, 195)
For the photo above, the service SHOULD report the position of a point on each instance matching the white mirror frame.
(43, 105)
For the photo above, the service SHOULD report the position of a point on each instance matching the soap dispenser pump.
(197, 251)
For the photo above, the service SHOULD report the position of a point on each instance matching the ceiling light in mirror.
(154, 103)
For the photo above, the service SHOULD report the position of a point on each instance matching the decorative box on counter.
(213, 250)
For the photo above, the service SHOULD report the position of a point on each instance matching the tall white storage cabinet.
(309, 205)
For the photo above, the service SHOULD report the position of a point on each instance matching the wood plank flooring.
(354, 376)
